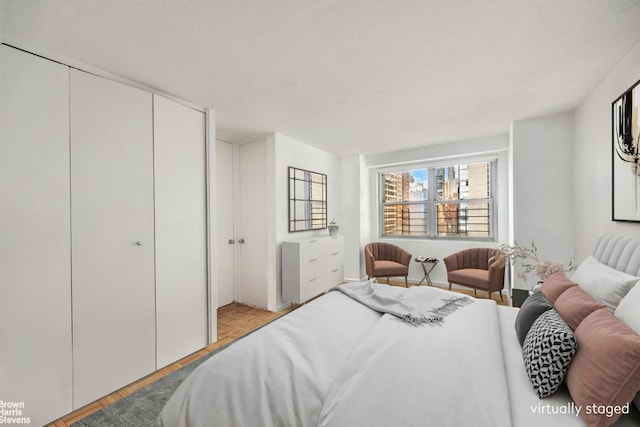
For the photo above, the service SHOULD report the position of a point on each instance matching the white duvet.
(334, 362)
(417, 376)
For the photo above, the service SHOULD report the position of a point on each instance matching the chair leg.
(475, 293)
(388, 280)
(406, 283)
(489, 292)
(449, 285)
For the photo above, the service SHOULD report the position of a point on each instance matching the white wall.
(490, 146)
(592, 155)
(290, 152)
(543, 187)
(355, 225)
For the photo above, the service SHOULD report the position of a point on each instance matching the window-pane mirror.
(307, 200)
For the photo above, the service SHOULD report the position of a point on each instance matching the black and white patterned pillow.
(547, 352)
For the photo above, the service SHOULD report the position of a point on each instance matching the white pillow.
(628, 312)
(605, 284)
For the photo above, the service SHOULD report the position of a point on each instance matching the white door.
(35, 253)
(253, 252)
(181, 229)
(225, 211)
(112, 235)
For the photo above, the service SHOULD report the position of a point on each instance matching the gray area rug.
(141, 408)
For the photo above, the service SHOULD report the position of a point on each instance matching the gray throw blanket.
(417, 305)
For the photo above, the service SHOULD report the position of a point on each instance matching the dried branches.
(530, 262)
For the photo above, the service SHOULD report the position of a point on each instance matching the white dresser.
(310, 267)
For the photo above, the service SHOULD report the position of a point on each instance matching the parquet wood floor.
(234, 321)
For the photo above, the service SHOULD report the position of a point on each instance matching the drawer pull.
(334, 270)
(313, 259)
(312, 241)
(335, 253)
(313, 279)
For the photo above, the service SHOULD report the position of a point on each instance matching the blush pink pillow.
(555, 285)
(606, 369)
(574, 305)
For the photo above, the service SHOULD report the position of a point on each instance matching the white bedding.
(278, 375)
(400, 375)
(335, 362)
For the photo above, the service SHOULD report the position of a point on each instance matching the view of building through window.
(458, 205)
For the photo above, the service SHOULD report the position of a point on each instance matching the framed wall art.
(625, 155)
(307, 200)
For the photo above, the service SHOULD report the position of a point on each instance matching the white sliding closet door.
(35, 264)
(180, 198)
(112, 235)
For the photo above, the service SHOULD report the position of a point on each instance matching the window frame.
(432, 203)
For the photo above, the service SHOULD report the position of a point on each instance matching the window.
(457, 204)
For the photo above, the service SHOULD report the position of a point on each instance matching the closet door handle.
(241, 241)
(138, 243)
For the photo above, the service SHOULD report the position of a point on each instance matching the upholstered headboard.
(620, 253)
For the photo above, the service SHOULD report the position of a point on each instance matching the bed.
(343, 360)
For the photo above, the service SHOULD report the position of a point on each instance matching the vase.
(333, 230)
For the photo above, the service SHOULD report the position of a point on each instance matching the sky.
(420, 175)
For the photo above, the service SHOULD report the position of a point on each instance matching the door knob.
(240, 240)
(231, 241)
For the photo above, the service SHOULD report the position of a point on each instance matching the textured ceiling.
(352, 76)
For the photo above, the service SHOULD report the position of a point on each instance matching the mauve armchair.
(477, 268)
(386, 260)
